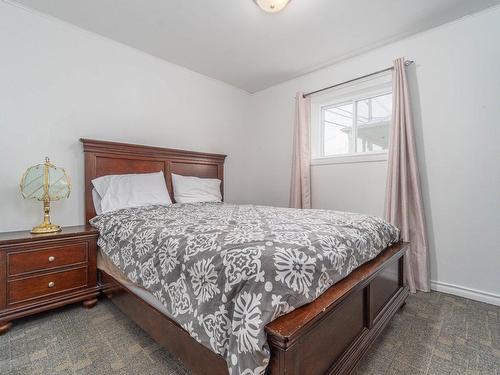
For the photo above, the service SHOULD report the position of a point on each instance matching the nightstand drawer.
(45, 285)
(45, 259)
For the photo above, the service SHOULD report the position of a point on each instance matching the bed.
(326, 336)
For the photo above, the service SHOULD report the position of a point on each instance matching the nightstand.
(40, 272)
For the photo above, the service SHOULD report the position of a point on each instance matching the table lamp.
(45, 182)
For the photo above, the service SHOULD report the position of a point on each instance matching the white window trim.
(351, 158)
(373, 86)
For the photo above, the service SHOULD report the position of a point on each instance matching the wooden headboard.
(106, 158)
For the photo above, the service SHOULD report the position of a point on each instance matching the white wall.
(455, 94)
(59, 83)
(365, 181)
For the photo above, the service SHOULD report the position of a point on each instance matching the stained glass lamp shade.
(45, 182)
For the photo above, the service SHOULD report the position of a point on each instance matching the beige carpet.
(435, 333)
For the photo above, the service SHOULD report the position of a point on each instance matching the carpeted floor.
(434, 333)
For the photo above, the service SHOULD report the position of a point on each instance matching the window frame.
(352, 93)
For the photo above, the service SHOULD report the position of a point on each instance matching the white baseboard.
(476, 295)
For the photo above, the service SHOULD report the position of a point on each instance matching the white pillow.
(96, 198)
(188, 189)
(131, 190)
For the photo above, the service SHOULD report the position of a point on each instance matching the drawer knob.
(52, 284)
(51, 258)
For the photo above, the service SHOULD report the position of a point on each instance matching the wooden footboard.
(327, 336)
(331, 334)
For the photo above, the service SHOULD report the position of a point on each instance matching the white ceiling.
(235, 42)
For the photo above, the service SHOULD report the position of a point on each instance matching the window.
(352, 124)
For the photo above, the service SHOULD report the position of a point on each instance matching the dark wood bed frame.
(327, 336)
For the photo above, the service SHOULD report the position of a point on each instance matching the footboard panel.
(336, 332)
(383, 287)
(330, 335)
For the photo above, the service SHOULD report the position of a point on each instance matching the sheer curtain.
(403, 199)
(300, 189)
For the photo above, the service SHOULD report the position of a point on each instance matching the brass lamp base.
(46, 228)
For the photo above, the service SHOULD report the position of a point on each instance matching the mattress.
(224, 271)
(105, 264)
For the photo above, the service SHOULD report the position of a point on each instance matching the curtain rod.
(407, 63)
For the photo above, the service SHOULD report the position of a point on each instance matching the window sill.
(352, 158)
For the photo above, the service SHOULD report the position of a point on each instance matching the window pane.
(373, 120)
(337, 127)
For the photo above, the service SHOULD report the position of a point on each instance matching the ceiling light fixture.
(272, 6)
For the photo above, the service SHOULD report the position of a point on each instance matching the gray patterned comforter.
(224, 271)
